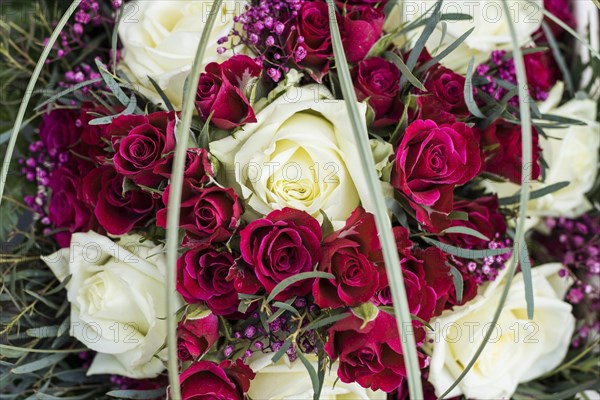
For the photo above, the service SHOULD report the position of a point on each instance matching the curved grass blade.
(29, 91)
(405, 71)
(471, 105)
(571, 32)
(382, 220)
(470, 254)
(438, 57)
(525, 179)
(466, 231)
(182, 132)
(295, 278)
(562, 65)
(536, 194)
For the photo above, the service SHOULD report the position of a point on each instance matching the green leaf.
(108, 119)
(326, 226)
(457, 279)
(567, 28)
(281, 351)
(367, 312)
(446, 51)
(562, 65)
(37, 365)
(112, 84)
(285, 307)
(314, 378)
(374, 192)
(470, 254)
(72, 89)
(525, 262)
(421, 41)
(536, 194)
(468, 93)
(321, 322)
(137, 394)
(465, 231)
(29, 91)
(182, 130)
(162, 94)
(281, 286)
(404, 70)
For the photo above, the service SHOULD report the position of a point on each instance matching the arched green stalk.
(182, 131)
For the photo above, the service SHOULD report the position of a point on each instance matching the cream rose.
(160, 38)
(571, 154)
(519, 349)
(118, 305)
(285, 380)
(300, 153)
(491, 27)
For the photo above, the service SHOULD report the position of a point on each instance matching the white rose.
(160, 39)
(519, 349)
(300, 153)
(571, 154)
(490, 23)
(118, 305)
(290, 381)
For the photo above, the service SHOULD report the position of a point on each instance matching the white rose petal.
(160, 38)
(300, 153)
(290, 381)
(519, 349)
(117, 301)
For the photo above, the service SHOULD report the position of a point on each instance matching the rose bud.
(360, 29)
(376, 80)
(196, 336)
(309, 43)
(221, 92)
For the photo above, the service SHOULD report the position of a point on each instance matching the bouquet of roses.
(296, 199)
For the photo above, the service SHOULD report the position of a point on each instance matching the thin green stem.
(29, 91)
(384, 227)
(182, 130)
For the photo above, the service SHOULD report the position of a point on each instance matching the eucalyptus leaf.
(470, 254)
(37, 365)
(465, 231)
(468, 92)
(314, 377)
(536, 194)
(457, 279)
(282, 350)
(137, 394)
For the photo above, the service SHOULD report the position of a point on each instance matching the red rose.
(444, 100)
(503, 147)
(431, 161)
(141, 149)
(66, 210)
(377, 80)
(207, 380)
(484, 217)
(221, 92)
(285, 243)
(563, 10)
(59, 130)
(352, 5)
(94, 138)
(207, 214)
(360, 29)
(202, 277)
(309, 41)
(197, 169)
(371, 356)
(352, 255)
(196, 336)
(426, 277)
(542, 73)
(116, 212)
(434, 263)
